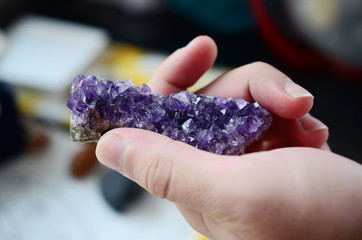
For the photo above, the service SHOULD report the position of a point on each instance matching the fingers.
(288, 102)
(166, 168)
(265, 84)
(185, 66)
(310, 133)
(305, 131)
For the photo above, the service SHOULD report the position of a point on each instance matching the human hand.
(295, 191)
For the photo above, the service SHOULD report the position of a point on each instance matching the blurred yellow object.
(322, 14)
(41, 105)
(125, 61)
(202, 237)
(26, 102)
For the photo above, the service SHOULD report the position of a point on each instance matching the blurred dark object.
(119, 191)
(303, 34)
(132, 7)
(84, 161)
(17, 136)
(12, 141)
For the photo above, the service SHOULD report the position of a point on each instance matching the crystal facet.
(215, 124)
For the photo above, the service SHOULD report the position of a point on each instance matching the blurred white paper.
(46, 54)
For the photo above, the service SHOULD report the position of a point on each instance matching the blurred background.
(51, 188)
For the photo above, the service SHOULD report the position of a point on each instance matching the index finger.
(265, 84)
(184, 67)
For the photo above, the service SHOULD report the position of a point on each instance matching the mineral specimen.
(215, 124)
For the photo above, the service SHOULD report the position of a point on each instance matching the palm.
(297, 182)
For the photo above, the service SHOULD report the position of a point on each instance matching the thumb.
(164, 167)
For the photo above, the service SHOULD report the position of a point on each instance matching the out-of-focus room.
(53, 188)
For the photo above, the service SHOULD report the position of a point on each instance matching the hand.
(295, 191)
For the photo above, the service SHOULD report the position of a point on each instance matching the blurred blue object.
(224, 17)
(12, 137)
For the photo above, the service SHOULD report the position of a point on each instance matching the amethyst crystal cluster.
(218, 125)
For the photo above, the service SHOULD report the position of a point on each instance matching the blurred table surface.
(39, 199)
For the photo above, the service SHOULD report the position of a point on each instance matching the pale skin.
(288, 186)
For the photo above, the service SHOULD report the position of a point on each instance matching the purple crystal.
(215, 124)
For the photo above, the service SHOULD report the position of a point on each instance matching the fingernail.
(295, 90)
(311, 124)
(110, 151)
